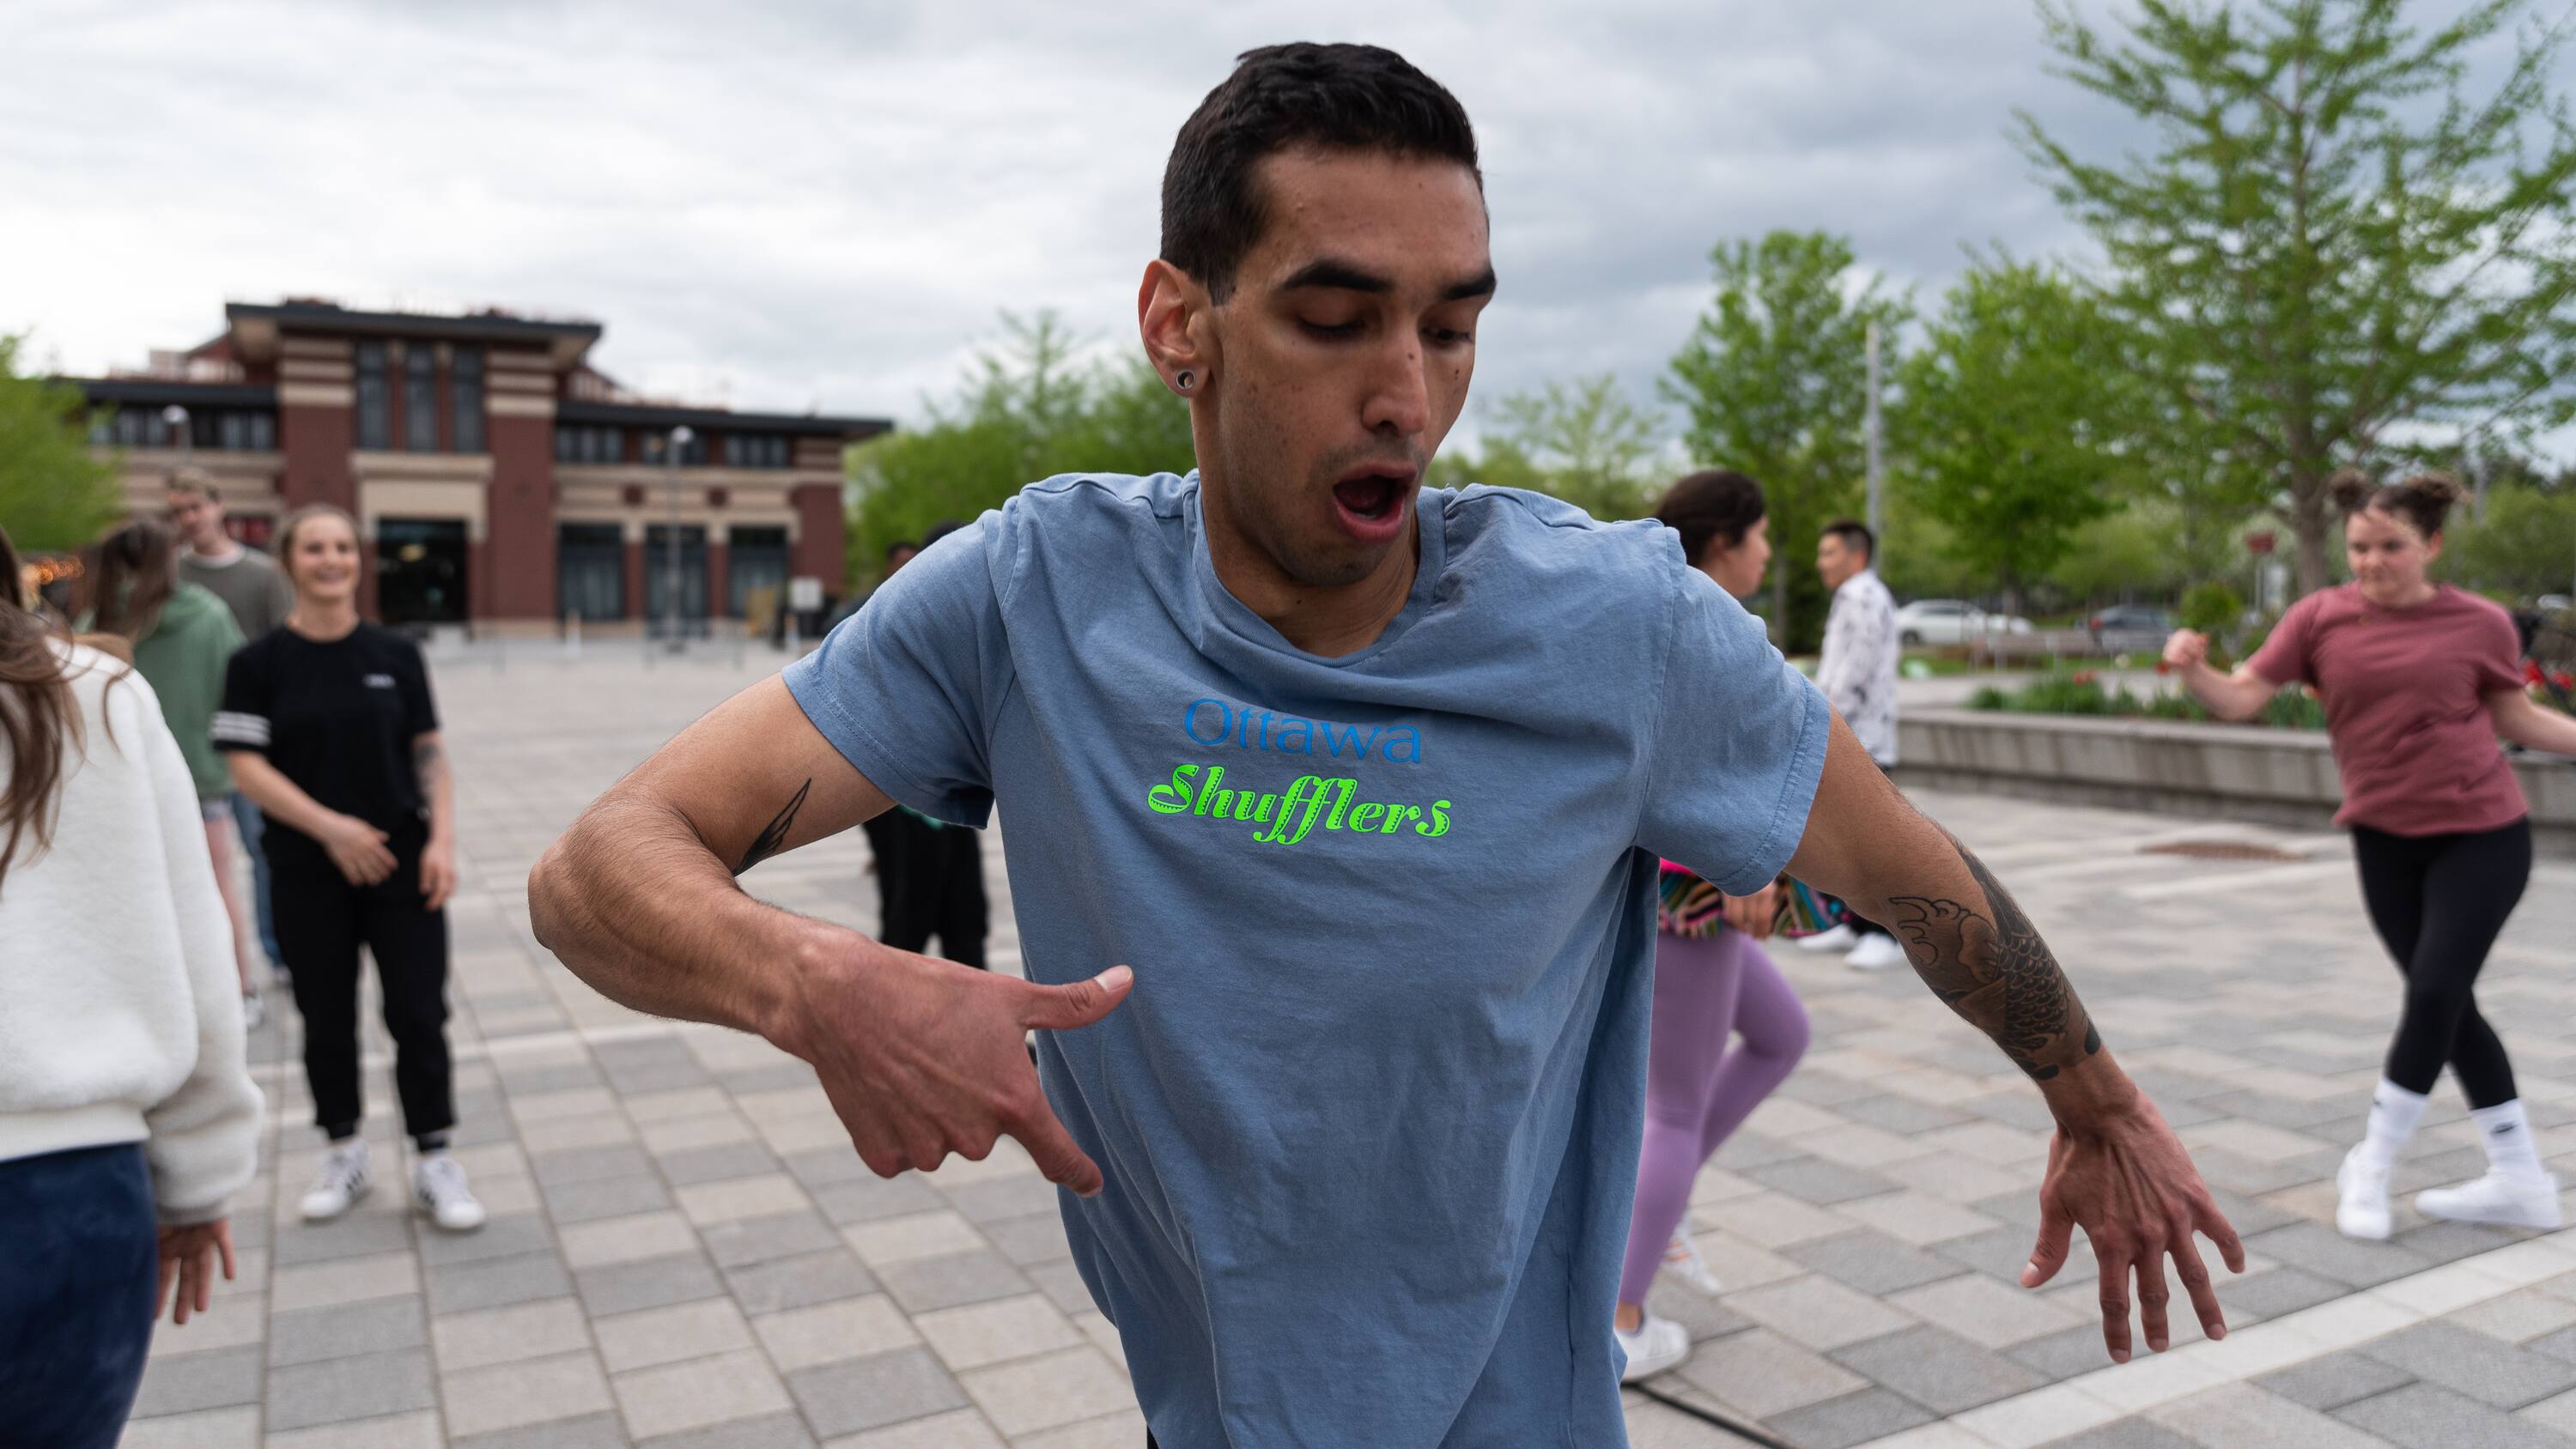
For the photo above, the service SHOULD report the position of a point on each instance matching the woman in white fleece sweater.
(127, 1116)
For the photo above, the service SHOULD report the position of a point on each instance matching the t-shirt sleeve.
(905, 688)
(1738, 745)
(241, 721)
(2287, 655)
(2498, 657)
(420, 707)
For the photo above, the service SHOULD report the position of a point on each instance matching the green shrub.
(2212, 608)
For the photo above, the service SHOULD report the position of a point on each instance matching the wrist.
(2091, 1095)
(818, 958)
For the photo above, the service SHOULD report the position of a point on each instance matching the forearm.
(437, 786)
(2229, 696)
(278, 797)
(634, 902)
(2522, 719)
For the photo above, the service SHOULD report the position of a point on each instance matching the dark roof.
(646, 415)
(152, 391)
(485, 327)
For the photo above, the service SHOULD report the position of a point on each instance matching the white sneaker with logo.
(342, 1179)
(1658, 1346)
(1876, 953)
(2506, 1199)
(438, 1189)
(1682, 1260)
(2362, 1210)
(1839, 938)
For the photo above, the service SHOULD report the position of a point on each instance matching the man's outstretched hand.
(923, 1058)
(2131, 1187)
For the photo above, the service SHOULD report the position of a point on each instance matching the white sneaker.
(1682, 1260)
(342, 1180)
(2507, 1199)
(438, 1189)
(1658, 1345)
(1876, 953)
(1839, 938)
(254, 1011)
(2362, 1210)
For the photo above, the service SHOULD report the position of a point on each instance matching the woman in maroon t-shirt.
(2418, 681)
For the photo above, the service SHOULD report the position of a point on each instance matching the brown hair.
(194, 480)
(38, 716)
(1708, 507)
(295, 521)
(2423, 500)
(129, 579)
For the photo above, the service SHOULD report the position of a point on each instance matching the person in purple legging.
(1712, 982)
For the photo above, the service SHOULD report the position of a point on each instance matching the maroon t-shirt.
(2405, 698)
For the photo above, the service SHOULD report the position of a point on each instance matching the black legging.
(2438, 902)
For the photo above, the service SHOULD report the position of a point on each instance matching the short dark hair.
(1717, 505)
(2424, 500)
(1854, 534)
(898, 546)
(1336, 97)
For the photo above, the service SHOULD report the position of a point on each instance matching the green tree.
(2521, 544)
(2329, 239)
(1772, 381)
(53, 494)
(1591, 444)
(2013, 420)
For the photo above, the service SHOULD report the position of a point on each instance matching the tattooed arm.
(920, 1058)
(2114, 1168)
(438, 856)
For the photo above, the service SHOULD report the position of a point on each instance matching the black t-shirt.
(336, 718)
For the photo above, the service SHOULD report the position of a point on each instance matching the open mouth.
(1370, 501)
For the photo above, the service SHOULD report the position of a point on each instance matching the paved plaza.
(684, 1251)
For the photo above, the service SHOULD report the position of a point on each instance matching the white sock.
(2394, 1111)
(2506, 1130)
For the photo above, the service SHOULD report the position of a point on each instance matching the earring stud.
(1183, 378)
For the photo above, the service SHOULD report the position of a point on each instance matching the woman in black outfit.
(331, 731)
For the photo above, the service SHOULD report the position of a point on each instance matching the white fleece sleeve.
(204, 1141)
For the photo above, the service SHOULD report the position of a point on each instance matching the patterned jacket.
(1858, 670)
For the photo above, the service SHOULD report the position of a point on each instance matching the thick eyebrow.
(1332, 275)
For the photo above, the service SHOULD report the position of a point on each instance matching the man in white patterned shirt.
(1858, 675)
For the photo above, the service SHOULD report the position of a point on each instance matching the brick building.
(496, 476)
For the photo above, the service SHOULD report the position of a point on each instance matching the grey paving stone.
(2133, 1433)
(798, 1282)
(530, 1081)
(353, 1235)
(363, 1387)
(1851, 1419)
(2338, 1379)
(604, 1197)
(2004, 1252)
(1941, 1371)
(954, 1280)
(2425, 1416)
(2293, 1115)
(2249, 1216)
(1030, 1240)
(598, 1431)
(461, 1287)
(719, 1163)
(508, 1236)
(1873, 1262)
(2255, 1176)
(866, 1199)
(864, 1393)
(214, 1379)
(1062, 1284)
(825, 1166)
(1900, 1114)
(309, 1335)
(1747, 1150)
(2328, 1254)
(2421, 1170)
(2473, 1364)
(2019, 1209)
(1812, 1179)
(777, 1076)
(1826, 1089)
(2560, 1345)
(2063, 1354)
(652, 1283)
(2021, 1108)
(589, 1164)
(659, 1077)
(1705, 1317)
(1017, 1196)
(770, 1431)
(2270, 1293)
(746, 1241)
(2449, 1242)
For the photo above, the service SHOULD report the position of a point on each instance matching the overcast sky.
(804, 204)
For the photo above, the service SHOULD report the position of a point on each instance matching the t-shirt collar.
(1230, 614)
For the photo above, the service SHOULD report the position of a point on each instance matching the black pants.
(321, 922)
(2438, 902)
(930, 881)
(75, 1296)
(1861, 925)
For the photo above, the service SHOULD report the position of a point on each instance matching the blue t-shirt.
(1370, 1116)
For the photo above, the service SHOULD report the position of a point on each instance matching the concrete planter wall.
(2237, 772)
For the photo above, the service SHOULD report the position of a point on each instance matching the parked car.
(2131, 628)
(1951, 621)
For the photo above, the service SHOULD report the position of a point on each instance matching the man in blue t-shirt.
(1335, 805)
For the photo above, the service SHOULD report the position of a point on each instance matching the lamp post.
(680, 438)
(175, 418)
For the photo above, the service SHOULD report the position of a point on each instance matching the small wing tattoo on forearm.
(773, 838)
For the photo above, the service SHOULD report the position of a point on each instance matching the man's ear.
(1172, 318)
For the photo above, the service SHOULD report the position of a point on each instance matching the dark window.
(693, 454)
(421, 570)
(591, 570)
(692, 562)
(575, 443)
(420, 400)
(756, 450)
(465, 398)
(375, 417)
(755, 559)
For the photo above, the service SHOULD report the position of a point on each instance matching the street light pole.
(1877, 516)
(680, 437)
(175, 418)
